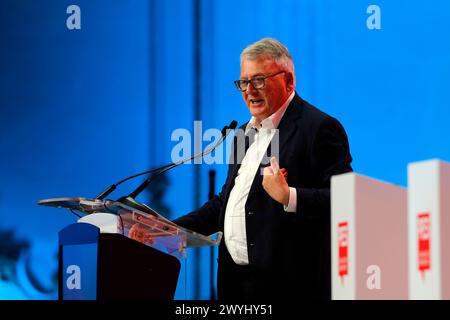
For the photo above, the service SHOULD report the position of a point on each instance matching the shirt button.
(250, 212)
(252, 245)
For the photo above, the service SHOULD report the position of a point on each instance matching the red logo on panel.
(423, 242)
(343, 249)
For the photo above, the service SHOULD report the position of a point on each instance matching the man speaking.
(276, 218)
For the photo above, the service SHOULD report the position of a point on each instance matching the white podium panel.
(429, 229)
(369, 238)
(106, 222)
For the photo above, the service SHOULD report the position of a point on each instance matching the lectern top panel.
(85, 205)
(153, 225)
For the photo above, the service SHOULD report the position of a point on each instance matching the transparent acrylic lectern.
(124, 242)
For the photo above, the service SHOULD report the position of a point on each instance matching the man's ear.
(290, 81)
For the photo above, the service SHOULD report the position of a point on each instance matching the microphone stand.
(131, 201)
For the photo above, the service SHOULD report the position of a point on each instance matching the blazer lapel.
(286, 129)
(238, 144)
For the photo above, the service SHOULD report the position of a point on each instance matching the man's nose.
(250, 88)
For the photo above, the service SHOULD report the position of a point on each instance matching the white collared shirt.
(234, 225)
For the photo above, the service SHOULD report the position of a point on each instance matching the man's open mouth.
(256, 101)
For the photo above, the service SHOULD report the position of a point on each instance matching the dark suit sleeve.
(330, 156)
(206, 219)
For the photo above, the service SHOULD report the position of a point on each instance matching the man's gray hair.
(272, 49)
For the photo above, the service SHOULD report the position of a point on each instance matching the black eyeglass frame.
(240, 82)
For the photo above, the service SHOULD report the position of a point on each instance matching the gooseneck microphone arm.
(225, 131)
(113, 187)
(164, 168)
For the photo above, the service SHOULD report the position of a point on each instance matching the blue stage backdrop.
(91, 91)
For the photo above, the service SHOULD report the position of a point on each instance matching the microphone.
(113, 187)
(130, 199)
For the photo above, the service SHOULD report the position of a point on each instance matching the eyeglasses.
(257, 82)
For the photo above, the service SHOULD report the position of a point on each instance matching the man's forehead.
(257, 66)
